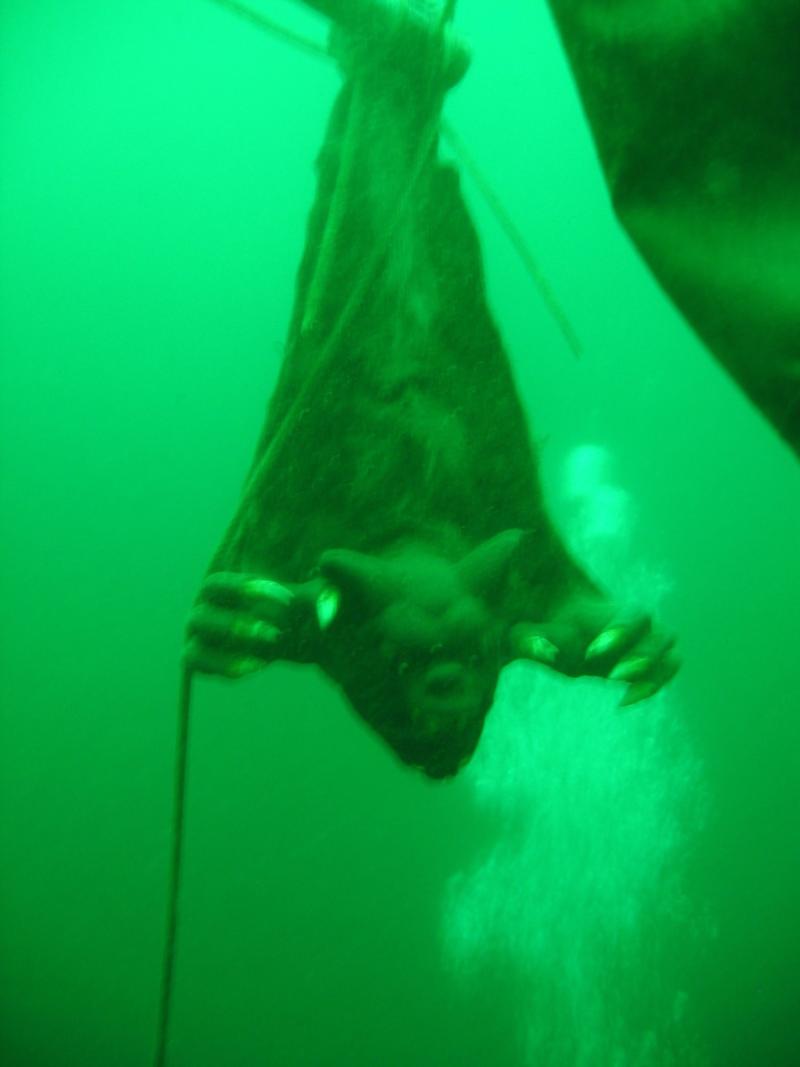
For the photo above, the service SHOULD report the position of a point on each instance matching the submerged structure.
(693, 108)
(392, 529)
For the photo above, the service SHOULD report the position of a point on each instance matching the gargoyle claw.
(199, 657)
(608, 641)
(260, 633)
(264, 588)
(628, 670)
(327, 606)
(639, 691)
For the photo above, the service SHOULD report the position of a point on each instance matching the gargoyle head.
(415, 642)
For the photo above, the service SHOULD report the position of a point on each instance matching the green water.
(595, 889)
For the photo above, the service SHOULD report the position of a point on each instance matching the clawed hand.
(242, 622)
(588, 638)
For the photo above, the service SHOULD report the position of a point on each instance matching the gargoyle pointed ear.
(362, 580)
(486, 568)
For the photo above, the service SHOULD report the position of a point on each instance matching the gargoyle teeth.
(327, 606)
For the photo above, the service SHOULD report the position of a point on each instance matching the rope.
(482, 183)
(305, 44)
(512, 232)
(176, 864)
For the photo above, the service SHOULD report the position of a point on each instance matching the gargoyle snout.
(446, 680)
(452, 693)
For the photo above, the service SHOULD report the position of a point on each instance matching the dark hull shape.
(695, 110)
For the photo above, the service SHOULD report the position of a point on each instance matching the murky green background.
(595, 889)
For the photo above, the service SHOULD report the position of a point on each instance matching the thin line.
(176, 865)
(512, 232)
(305, 44)
(483, 184)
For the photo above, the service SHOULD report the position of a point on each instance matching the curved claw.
(245, 591)
(327, 606)
(198, 657)
(628, 650)
(533, 646)
(616, 639)
(264, 588)
(651, 676)
(242, 622)
(638, 692)
(631, 669)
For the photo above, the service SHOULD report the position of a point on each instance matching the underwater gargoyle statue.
(392, 529)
